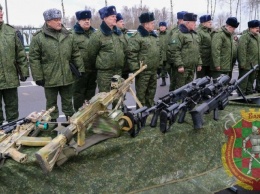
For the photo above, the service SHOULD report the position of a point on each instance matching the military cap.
(163, 24)
(190, 17)
(51, 14)
(83, 14)
(181, 14)
(232, 21)
(205, 18)
(107, 11)
(253, 24)
(119, 17)
(146, 17)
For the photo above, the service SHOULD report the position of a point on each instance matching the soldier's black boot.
(163, 82)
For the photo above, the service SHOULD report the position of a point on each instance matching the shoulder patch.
(174, 41)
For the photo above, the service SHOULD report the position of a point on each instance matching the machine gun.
(217, 102)
(23, 134)
(165, 101)
(191, 96)
(97, 108)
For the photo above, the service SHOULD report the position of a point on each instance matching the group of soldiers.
(100, 54)
(207, 52)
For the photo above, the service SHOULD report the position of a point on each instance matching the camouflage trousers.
(172, 70)
(10, 99)
(184, 78)
(247, 84)
(145, 86)
(104, 79)
(84, 89)
(164, 70)
(51, 94)
(205, 71)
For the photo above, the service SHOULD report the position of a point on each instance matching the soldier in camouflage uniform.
(107, 49)
(184, 50)
(144, 46)
(121, 25)
(249, 54)
(163, 38)
(204, 33)
(51, 51)
(12, 55)
(223, 49)
(171, 68)
(85, 86)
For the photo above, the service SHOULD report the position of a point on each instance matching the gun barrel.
(247, 74)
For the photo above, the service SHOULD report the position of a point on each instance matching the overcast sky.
(29, 12)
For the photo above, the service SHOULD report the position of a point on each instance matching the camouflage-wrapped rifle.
(217, 102)
(23, 134)
(97, 107)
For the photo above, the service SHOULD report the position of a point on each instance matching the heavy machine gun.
(97, 108)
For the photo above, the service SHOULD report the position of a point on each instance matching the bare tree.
(220, 20)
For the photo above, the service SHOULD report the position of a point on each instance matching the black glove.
(23, 79)
(40, 82)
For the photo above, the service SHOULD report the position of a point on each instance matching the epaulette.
(10, 25)
(37, 32)
(134, 34)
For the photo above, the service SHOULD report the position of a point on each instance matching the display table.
(150, 163)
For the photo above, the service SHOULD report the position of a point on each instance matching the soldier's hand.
(40, 82)
(181, 69)
(23, 79)
(218, 68)
(199, 68)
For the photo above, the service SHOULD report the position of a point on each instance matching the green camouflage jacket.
(223, 50)
(204, 35)
(107, 50)
(11, 52)
(144, 46)
(183, 49)
(164, 39)
(50, 55)
(248, 50)
(82, 38)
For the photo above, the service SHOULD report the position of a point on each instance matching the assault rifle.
(217, 102)
(191, 96)
(23, 134)
(165, 101)
(97, 108)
